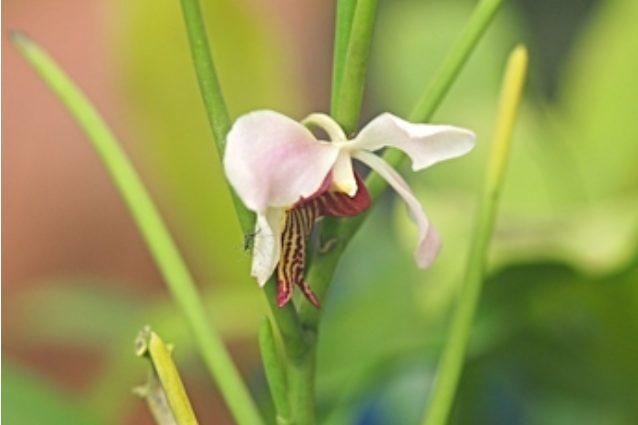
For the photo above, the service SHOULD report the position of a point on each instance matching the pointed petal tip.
(429, 242)
(260, 281)
(425, 144)
(310, 295)
(283, 297)
(428, 249)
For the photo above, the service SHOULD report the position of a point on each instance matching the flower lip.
(299, 223)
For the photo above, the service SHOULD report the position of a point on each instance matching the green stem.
(154, 231)
(216, 110)
(301, 384)
(347, 112)
(342, 230)
(355, 22)
(350, 85)
(209, 86)
(288, 322)
(454, 350)
(343, 26)
(274, 372)
(480, 20)
(286, 318)
(441, 83)
(324, 265)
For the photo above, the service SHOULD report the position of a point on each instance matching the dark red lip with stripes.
(300, 221)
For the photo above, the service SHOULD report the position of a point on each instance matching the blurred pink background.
(62, 217)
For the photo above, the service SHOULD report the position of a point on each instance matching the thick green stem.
(301, 384)
(350, 83)
(343, 26)
(274, 372)
(348, 86)
(288, 323)
(178, 279)
(355, 22)
(455, 347)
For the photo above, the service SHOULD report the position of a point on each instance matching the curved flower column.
(290, 179)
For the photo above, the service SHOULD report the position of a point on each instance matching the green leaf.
(599, 100)
(561, 342)
(274, 371)
(152, 227)
(164, 391)
(454, 350)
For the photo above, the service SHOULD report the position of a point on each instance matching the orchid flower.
(290, 179)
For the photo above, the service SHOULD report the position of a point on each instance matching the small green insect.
(250, 239)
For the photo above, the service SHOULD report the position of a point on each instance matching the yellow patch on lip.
(348, 189)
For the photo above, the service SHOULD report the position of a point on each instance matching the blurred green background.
(555, 338)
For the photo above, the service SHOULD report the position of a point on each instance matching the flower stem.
(480, 20)
(154, 231)
(346, 112)
(301, 384)
(274, 372)
(353, 36)
(288, 322)
(286, 318)
(453, 355)
(324, 265)
(209, 86)
(355, 21)
(441, 83)
(216, 110)
(343, 26)
(349, 77)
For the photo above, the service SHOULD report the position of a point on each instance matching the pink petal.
(425, 144)
(273, 161)
(429, 242)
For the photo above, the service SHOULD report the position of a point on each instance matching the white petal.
(429, 242)
(267, 245)
(273, 161)
(327, 124)
(343, 175)
(425, 144)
